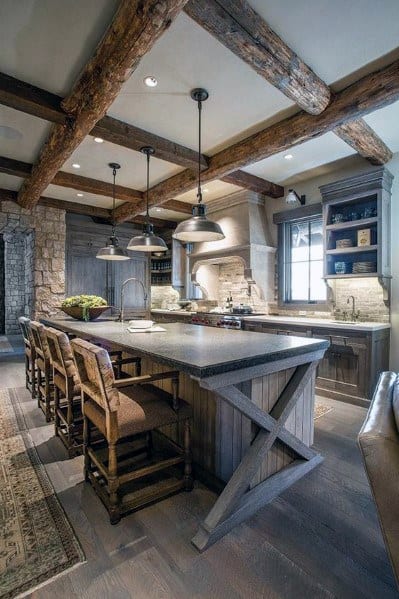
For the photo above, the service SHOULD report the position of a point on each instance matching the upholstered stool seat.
(127, 471)
(139, 411)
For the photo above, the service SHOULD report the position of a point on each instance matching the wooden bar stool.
(68, 418)
(45, 387)
(126, 471)
(30, 355)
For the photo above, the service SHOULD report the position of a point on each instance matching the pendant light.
(148, 241)
(198, 227)
(112, 251)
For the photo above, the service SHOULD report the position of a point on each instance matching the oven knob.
(218, 323)
(206, 321)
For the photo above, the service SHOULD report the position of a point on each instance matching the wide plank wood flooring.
(321, 538)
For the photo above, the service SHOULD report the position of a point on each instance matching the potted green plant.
(84, 307)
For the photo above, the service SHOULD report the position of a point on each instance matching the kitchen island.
(252, 396)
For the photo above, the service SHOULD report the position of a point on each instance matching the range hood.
(242, 217)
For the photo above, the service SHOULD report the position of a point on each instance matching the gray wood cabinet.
(86, 274)
(351, 366)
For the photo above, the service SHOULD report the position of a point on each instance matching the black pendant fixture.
(198, 227)
(148, 241)
(112, 251)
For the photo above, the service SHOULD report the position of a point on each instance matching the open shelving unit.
(352, 205)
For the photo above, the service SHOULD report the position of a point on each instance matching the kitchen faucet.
(354, 315)
(121, 315)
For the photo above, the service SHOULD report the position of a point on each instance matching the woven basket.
(78, 313)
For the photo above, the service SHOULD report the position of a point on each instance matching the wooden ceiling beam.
(362, 138)
(135, 28)
(18, 168)
(37, 102)
(237, 26)
(7, 195)
(257, 184)
(372, 92)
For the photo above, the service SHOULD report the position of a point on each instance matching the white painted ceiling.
(47, 43)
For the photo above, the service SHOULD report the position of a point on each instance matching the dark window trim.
(282, 219)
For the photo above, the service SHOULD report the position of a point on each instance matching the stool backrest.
(24, 326)
(61, 352)
(96, 374)
(40, 340)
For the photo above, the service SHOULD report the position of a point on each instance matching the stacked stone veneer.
(369, 298)
(232, 281)
(34, 259)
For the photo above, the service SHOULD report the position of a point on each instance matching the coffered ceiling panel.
(93, 159)
(21, 135)
(336, 37)
(302, 157)
(186, 57)
(48, 42)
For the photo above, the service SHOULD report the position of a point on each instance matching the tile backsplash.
(368, 294)
(232, 281)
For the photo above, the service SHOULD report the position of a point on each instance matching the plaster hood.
(242, 217)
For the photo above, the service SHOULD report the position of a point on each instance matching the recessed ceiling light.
(75, 165)
(158, 209)
(150, 81)
(288, 156)
(98, 140)
(205, 189)
(80, 195)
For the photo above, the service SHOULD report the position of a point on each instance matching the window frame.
(284, 220)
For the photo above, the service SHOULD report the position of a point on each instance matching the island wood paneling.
(221, 434)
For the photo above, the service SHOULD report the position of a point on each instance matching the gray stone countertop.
(199, 351)
(320, 322)
(171, 312)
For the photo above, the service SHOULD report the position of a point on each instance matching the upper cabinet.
(356, 223)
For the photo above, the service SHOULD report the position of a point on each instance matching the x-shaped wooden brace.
(235, 504)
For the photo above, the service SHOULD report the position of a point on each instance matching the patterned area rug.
(320, 409)
(5, 345)
(37, 543)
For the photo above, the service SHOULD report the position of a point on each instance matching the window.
(301, 261)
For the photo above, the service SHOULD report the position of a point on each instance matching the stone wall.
(368, 295)
(232, 281)
(14, 280)
(41, 266)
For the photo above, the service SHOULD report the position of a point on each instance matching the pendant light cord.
(199, 192)
(113, 202)
(148, 186)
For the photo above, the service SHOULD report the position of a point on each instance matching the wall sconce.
(293, 198)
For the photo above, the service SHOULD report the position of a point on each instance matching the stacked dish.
(344, 243)
(364, 267)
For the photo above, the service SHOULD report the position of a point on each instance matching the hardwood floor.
(321, 538)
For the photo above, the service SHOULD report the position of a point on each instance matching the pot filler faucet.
(145, 295)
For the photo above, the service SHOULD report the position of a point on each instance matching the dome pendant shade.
(148, 241)
(112, 251)
(198, 227)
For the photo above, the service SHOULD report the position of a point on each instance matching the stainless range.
(223, 321)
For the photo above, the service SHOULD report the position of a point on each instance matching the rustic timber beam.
(70, 180)
(374, 91)
(37, 102)
(17, 168)
(41, 103)
(134, 30)
(254, 183)
(361, 137)
(236, 25)
(7, 195)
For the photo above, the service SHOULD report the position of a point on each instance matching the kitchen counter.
(171, 312)
(252, 396)
(320, 322)
(199, 351)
